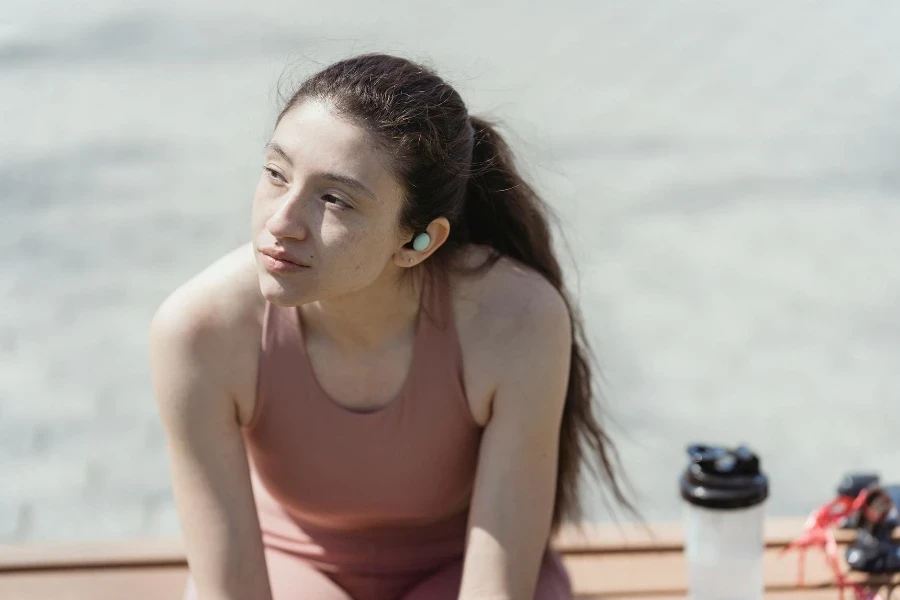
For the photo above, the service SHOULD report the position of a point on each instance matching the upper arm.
(515, 486)
(194, 371)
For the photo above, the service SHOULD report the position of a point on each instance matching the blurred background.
(725, 175)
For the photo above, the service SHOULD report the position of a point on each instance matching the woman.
(403, 410)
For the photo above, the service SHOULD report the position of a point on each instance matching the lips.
(283, 257)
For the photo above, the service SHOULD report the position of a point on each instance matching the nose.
(289, 219)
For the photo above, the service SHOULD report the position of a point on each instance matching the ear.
(407, 256)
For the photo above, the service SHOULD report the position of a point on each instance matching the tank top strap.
(279, 353)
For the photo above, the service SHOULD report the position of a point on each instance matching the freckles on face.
(360, 252)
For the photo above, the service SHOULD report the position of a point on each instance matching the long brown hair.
(458, 166)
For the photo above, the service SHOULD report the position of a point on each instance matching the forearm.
(223, 543)
(509, 525)
(502, 566)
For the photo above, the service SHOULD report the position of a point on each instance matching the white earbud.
(421, 242)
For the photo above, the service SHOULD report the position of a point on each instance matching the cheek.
(363, 247)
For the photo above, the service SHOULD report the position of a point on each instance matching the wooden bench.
(604, 561)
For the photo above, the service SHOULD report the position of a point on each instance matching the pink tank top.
(388, 489)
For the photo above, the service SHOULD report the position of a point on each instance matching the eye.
(274, 175)
(332, 199)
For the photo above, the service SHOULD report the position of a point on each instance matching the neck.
(366, 319)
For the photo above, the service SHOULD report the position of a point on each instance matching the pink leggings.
(292, 579)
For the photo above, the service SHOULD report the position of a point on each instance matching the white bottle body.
(724, 550)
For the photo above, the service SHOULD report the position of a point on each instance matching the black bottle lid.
(723, 478)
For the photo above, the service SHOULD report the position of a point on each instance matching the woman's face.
(325, 212)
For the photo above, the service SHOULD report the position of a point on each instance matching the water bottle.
(724, 511)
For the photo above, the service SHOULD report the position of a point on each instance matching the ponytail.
(503, 212)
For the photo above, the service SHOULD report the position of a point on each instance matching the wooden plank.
(591, 538)
(95, 584)
(633, 575)
(608, 537)
(603, 560)
(804, 594)
(663, 572)
(168, 583)
(141, 553)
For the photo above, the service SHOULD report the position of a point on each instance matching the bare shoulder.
(508, 300)
(506, 317)
(214, 320)
(222, 299)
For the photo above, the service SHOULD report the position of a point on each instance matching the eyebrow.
(337, 178)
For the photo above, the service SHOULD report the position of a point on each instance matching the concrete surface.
(726, 176)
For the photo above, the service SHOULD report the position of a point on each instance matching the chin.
(279, 293)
